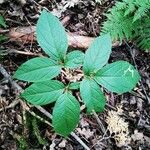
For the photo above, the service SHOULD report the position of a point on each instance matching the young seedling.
(119, 77)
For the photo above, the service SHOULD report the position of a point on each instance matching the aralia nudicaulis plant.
(119, 77)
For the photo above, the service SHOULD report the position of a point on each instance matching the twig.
(23, 52)
(103, 138)
(8, 77)
(101, 126)
(99, 122)
(27, 108)
(138, 95)
(3, 31)
(46, 113)
(41, 119)
(110, 106)
(80, 141)
(27, 34)
(11, 105)
(16, 86)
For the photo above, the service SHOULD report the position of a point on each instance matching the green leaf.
(2, 22)
(51, 36)
(119, 77)
(97, 55)
(42, 93)
(3, 38)
(74, 59)
(92, 96)
(74, 86)
(37, 69)
(66, 114)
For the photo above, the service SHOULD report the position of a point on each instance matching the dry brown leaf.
(85, 132)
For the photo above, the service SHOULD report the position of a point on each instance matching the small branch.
(8, 77)
(138, 95)
(99, 122)
(80, 141)
(111, 107)
(3, 31)
(46, 113)
(27, 108)
(11, 105)
(16, 86)
(103, 129)
(23, 52)
(27, 35)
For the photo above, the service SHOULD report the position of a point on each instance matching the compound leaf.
(51, 36)
(74, 59)
(65, 114)
(92, 95)
(119, 77)
(37, 69)
(42, 93)
(97, 54)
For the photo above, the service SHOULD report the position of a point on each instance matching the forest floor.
(126, 119)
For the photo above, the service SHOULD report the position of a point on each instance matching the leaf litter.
(133, 115)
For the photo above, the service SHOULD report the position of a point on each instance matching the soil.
(18, 127)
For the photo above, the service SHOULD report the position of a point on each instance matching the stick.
(27, 108)
(101, 125)
(22, 52)
(27, 35)
(8, 77)
(11, 105)
(99, 122)
(46, 113)
(80, 141)
(16, 86)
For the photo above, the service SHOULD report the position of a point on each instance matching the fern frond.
(36, 131)
(22, 143)
(140, 8)
(142, 36)
(143, 9)
(120, 6)
(128, 6)
(129, 19)
(118, 25)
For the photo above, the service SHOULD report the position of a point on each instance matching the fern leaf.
(36, 131)
(142, 36)
(129, 19)
(118, 25)
(143, 9)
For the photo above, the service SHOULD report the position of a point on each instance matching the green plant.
(37, 133)
(32, 132)
(22, 143)
(117, 77)
(130, 19)
(2, 24)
